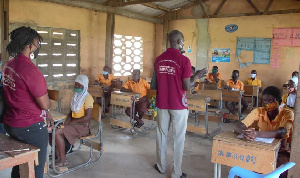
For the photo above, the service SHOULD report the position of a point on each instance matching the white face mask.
(253, 75)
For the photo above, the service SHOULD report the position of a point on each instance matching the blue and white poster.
(221, 55)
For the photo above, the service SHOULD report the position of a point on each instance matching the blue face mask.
(78, 90)
(104, 73)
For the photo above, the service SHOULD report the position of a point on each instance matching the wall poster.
(221, 55)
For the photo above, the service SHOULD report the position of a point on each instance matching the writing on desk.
(122, 100)
(194, 106)
(229, 155)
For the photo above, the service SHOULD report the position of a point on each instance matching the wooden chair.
(233, 96)
(54, 95)
(198, 104)
(91, 140)
(252, 91)
(214, 95)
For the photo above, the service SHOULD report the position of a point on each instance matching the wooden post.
(110, 30)
(165, 33)
(295, 152)
(4, 30)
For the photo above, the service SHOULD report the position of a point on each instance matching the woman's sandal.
(59, 164)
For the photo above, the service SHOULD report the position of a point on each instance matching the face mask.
(214, 71)
(104, 73)
(295, 76)
(34, 54)
(78, 90)
(271, 106)
(253, 75)
(181, 48)
(234, 77)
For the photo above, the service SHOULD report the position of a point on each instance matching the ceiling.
(156, 10)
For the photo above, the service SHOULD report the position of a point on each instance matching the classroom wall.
(190, 32)
(92, 26)
(249, 26)
(146, 30)
(259, 27)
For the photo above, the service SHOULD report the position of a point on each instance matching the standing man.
(172, 77)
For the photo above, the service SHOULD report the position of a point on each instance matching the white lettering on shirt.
(167, 70)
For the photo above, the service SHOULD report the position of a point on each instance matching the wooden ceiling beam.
(121, 3)
(102, 8)
(252, 5)
(158, 7)
(268, 6)
(220, 7)
(243, 14)
(203, 9)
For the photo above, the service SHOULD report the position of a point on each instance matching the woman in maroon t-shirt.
(26, 97)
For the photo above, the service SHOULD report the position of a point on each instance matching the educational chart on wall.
(260, 47)
(289, 37)
(221, 55)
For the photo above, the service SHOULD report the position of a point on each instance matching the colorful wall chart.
(283, 37)
(221, 55)
(261, 48)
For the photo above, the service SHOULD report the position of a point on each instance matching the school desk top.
(255, 156)
(13, 152)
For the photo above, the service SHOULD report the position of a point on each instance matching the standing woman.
(26, 96)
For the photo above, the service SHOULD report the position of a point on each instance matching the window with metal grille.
(58, 58)
(127, 54)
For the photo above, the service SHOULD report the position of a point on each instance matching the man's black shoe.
(183, 175)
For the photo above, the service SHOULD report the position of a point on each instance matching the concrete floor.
(130, 155)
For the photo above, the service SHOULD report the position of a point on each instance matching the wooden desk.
(58, 118)
(25, 158)
(125, 99)
(210, 86)
(97, 91)
(233, 96)
(199, 104)
(232, 151)
(252, 91)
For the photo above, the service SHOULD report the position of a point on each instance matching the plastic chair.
(244, 173)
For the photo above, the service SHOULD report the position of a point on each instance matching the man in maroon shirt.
(172, 78)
